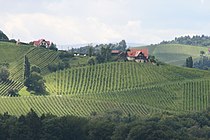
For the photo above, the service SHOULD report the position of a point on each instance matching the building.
(41, 42)
(138, 55)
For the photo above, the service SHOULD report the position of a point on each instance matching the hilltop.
(175, 54)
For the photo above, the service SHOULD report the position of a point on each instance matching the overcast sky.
(88, 21)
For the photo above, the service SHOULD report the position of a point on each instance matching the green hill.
(163, 88)
(175, 54)
(117, 76)
(133, 88)
(13, 55)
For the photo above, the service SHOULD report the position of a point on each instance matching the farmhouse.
(139, 55)
(41, 42)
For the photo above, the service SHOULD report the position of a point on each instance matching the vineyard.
(133, 88)
(117, 76)
(172, 98)
(37, 56)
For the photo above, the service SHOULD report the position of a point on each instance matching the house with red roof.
(138, 55)
(41, 42)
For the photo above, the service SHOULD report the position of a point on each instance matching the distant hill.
(175, 54)
(187, 40)
(3, 36)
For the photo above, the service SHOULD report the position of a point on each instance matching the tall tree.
(122, 45)
(4, 74)
(90, 51)
(189, 62)
(26, 68)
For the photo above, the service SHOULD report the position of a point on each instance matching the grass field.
(175, 54)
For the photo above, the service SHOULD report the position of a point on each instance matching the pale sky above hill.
(86, 21)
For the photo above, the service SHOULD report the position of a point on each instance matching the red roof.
(40, 41)
(135, 52)
(116, 51)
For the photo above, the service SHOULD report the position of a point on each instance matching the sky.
(103, 21)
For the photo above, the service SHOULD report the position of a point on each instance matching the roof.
(38, 42)
(116, 51)
(135, 52)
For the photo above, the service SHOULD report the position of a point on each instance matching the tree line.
(187, 40)
(111, 125)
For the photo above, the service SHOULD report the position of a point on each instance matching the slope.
(116, 76)
(165, 88)
(175, 54)
(13, 55)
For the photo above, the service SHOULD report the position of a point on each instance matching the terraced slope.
(137, 89)
(173, 97)
(14, 55)
(116, 77)
(37, 56)
(65, 105)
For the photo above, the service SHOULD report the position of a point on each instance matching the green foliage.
(58, 66)
(187, 40)
(53, 47)
(91, 61)
(33, 126)
(27, 67)
(35, 82)
(90, 51)
(4, 74)
(122, 46)
(35, 69)
(13, 92)
(189, 62)
(3, 37)
(104, 55)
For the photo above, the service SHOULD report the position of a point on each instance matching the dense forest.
(187, 40)
(111, 125)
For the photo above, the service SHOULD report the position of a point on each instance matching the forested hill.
(3, 36)
(187, 40)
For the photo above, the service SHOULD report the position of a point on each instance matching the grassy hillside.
(178, 91)
(37, 56)
(162, 88)
(175, 54)
(116, 76)
(14, 55)
(133, 88)
(10, 52)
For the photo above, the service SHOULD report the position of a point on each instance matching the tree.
(3, 36)
(90, 51)
(152, 59)
(189, 62)
(122, 45)
(4, 74)
(91, 61)
(13, 92)
(53, 47)
(202, 53)
(26, 68)
(34, 124)
(35, 69)
(35, 82)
